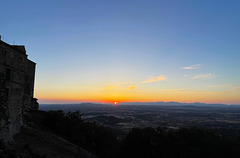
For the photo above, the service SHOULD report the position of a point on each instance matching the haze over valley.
(221, 118)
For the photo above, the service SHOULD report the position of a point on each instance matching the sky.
(129, 50)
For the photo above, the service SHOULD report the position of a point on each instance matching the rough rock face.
(17, 75)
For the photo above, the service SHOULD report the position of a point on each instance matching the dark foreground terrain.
(138, 142)
(95, 131)
(57, 134)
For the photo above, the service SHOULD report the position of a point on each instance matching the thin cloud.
(172, 90)
(204, 76)
(155, 79)
(132, 87)
(211, 92)
(192, 67)
(124, 83)
(220, 86)
(202, 92)
(109, 88)
(236, 89)
(109, 84)
(187, 76)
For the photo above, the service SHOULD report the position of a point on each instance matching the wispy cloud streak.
(124, 83)
(192, 67)
(204, 76)
(109, 88)
(212, 92)
(172, 90)
(154, 79)
(132, 87)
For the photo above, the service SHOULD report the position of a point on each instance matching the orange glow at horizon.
(211, 98)
(136, 95)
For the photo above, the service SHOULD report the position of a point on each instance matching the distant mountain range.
(158, 103)
(171, 103)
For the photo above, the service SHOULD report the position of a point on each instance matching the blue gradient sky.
(105, 50)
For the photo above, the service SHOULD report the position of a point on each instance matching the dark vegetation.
(193, 142)
(139, 142)
(91, 136)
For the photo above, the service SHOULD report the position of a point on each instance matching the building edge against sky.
(17, 87)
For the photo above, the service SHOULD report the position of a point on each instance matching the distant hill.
(72, 107)
(66, 107)
(172, 103)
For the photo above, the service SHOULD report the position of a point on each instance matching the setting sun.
(115, 103)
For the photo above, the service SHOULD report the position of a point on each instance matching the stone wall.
(4, 115)
(17, 83)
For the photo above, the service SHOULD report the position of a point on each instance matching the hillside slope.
(37, 143)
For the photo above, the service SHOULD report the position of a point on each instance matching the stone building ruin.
(17, 75)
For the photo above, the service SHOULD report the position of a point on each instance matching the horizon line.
(119, 103)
